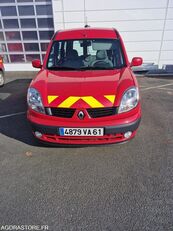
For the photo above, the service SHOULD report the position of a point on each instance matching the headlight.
(129, 100)
(34, 100)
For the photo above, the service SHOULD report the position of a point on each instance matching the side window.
(62, 50)
(78, 48)
(57, 53)
(50, 60)
(117, 57)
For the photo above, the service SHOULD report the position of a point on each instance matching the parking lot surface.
(109, 187)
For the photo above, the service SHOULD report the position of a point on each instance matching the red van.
(85, 91)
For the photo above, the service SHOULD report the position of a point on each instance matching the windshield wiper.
(62, 68)
(83, 68)
(97, 68)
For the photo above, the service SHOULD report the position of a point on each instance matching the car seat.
(72, 55)
(72, 59)
(102, 59)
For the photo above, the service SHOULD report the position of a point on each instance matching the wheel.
(2, 80)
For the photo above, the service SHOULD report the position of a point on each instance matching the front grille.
(69, 112)
(101, 112)
(60, 112)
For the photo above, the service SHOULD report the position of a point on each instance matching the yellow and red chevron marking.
(93, 102)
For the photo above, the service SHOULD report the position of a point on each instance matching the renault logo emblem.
(81, 115)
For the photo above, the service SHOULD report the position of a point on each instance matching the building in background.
(26, 26)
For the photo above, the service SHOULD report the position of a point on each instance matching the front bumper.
(112, 134)
(114, 127)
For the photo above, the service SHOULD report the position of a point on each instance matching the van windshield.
(86, 54)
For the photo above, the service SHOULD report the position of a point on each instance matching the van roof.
(84, 33)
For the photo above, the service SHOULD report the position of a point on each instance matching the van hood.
(79, 89)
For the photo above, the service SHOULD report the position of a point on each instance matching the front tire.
(2, 79)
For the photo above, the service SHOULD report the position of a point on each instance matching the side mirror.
(36, 63)
(136, 61)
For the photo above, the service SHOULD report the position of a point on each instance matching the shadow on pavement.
(13, 101)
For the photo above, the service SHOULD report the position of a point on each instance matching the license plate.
(81, 131)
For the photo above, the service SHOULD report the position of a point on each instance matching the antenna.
(85, 17)
(86, 22)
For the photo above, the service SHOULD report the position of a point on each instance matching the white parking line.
(148, 88)
(142, 86)
(4, 96)
(13, 114)
(168, 89)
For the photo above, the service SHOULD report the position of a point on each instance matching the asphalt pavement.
(119, 187)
